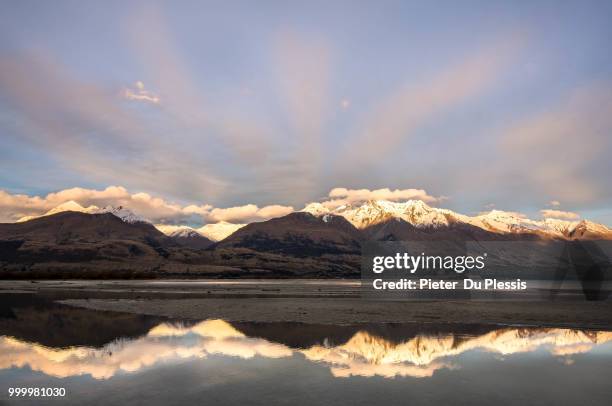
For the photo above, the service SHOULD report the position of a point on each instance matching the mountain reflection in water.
(364, 353)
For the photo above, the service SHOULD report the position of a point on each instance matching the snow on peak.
(123, 213)
(586, 225)
(558, 226)
(219, 231)
(372, 212)
(420, 214)
(185, 232)
(504, 221)
(511, 222)
(70, 205)
(316, 209)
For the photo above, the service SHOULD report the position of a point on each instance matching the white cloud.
(138, 93)
(567, 144)
(341, 196)
(554, 203)
(559, 214)
(160, 211)
(14, 207)
(89, 129)
(155, 209)
(410, 105)
(248, 212)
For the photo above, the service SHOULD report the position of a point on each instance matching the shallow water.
(109, 358)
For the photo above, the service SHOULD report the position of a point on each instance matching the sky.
(199, 112)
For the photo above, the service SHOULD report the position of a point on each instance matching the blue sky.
(228, 103)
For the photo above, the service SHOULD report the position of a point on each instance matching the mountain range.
(420, 215)
(317, 241)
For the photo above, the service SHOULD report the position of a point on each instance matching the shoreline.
(346, 312)
(305, 301)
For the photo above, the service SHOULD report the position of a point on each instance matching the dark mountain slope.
(298, 234)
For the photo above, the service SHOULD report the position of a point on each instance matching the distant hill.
(316, 242)
(491, 225)
(297, 234)
(80, 238)
(72, 226)
(190, 238)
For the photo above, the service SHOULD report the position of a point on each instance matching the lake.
(117, 358)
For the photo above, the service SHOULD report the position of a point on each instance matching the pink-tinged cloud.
(395, 118)
(340, 196)
(248, 212)
(562, 150)
(139, 93)
(559, 214)
(90, 130)
(14, 207)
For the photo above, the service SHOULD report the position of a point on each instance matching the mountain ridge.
(369, 215)
(423, 216)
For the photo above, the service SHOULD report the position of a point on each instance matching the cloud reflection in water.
(364, 354)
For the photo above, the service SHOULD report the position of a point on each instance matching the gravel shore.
(306, 301)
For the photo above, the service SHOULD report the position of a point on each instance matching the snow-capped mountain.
(70, 205)
(588, 229)
(422, 216)
(374, 212)
(220, 230)
(415, 213)
(184, 232)
(214, 232)
(316, 209)
(189, 237)
(503, 221)
(508, 222)
(123, 213)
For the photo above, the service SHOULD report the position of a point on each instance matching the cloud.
(554, 203)
(13, 207)
(562, 151)
(91, 133)
(162, 343)
(138, 93)
(559, 214)
(196, 117)
(303, 70)
(165, 213)
(155, 209)
(395, 117)
(248, 212)
(341, 196)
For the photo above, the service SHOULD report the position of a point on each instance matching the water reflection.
(363, 354)
(368, 355)
(162, 343)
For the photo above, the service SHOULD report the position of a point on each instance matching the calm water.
(106, 358)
